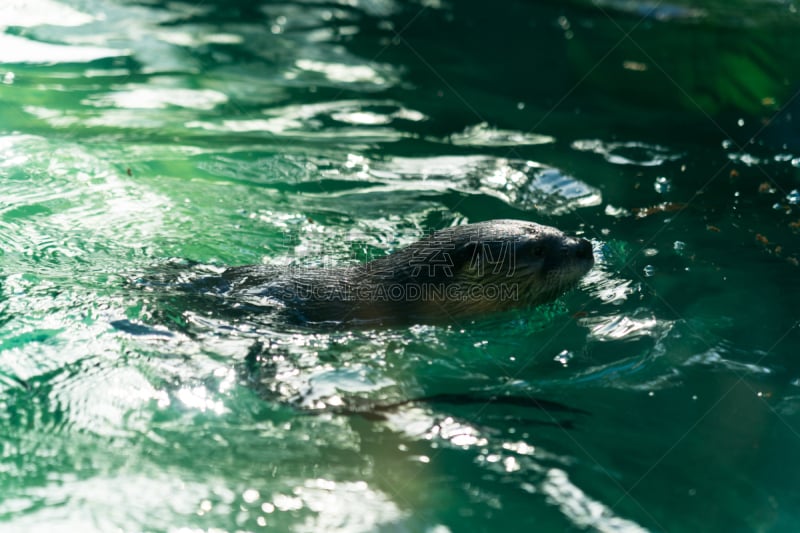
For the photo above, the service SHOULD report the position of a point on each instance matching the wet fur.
(459, 267)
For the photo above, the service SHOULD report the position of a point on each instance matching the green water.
(136, 133)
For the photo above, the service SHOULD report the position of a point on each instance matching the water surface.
(134, 135)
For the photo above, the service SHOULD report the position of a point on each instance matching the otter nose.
(583, 250)
(579, 249)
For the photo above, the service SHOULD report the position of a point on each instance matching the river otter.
(452, 274)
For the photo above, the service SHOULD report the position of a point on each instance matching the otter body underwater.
(456, 273)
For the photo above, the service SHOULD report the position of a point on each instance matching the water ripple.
(144, 97)
(41, 12)
(628, 153)
(323, 121)
(483, 135)
(583, 510)
(63, 204)
(621, 327)
(15, 49)
(523, 184)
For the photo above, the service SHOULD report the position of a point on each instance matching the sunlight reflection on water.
(140, 136)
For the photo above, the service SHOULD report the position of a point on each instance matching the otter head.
(503, 264)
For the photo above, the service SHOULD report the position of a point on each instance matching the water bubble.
(8, 78)
(662, 185)
(679, 246)
(564, 357)
(612, 211)
(649, 271)
(250, 495)
(740, 122)
(793, 197)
